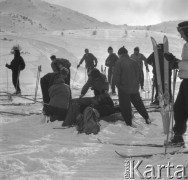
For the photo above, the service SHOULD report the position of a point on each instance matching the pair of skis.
(164, 95)
(178, 150)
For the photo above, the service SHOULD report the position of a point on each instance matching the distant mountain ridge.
(38, 16)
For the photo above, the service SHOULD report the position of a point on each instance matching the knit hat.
(136, 48)
(183, 26)
(95, 73)
(52, 57)
(122, 50)
(110, 48)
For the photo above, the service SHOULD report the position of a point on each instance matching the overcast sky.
(131, 12)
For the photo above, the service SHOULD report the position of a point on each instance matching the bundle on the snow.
(88, 122)
(73, 112)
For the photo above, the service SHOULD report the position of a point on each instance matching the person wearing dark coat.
(16, 65)
(126, 78)
(110, 63)
(101, 101)
(90, 60)
(55, 64)
(56, 94)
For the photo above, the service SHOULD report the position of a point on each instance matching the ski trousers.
(141, 79)
(181, 109)
(125, 101)
(57, 113)
(15, 80)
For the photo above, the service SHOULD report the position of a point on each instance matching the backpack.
(88, 122)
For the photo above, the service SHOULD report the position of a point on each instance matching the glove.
(78, 66)
(6, 65)
(95, 65)
(170, 57)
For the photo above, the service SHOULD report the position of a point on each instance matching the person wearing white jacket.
(181, 103)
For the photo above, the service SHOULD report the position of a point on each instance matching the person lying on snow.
(56, 94)
(101, 101)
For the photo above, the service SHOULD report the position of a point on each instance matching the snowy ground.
(30, 150)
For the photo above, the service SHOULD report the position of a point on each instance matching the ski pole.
(7, 80)
(74, 78)
(37, 82)
(173, 95)
(85, 74)
(17, 81)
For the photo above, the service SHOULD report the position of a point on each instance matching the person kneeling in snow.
(101, 102)
(181, 103)
(56, 94)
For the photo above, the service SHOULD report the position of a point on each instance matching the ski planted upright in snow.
(162, 99)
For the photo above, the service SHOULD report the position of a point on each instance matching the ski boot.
(177, 141)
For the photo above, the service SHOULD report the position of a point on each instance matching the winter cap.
(122, 50)
(136, 48)
(86, 50)
(110, 48)
(95, 73)
(183, 25)
(53, 57)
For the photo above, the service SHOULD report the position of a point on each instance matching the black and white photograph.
(93, 89)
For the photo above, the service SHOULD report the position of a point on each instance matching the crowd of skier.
(125, 73)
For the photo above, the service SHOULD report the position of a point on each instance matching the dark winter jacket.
(151, 61)
(111, 60)
(89, 60)
(126, 75)
(64, 62)
(59, 92)
(139, 59)
(99, 84)
(16, 64)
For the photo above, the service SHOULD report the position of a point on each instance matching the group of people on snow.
(124, 72)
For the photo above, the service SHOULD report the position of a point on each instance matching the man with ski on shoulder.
(181, 103)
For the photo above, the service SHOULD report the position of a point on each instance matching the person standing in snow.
(90, 60)
(181, 102)
(64, 62)
(139, 58)
(56, 94)
(126, 78)
(110, 63)
(16, 65)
